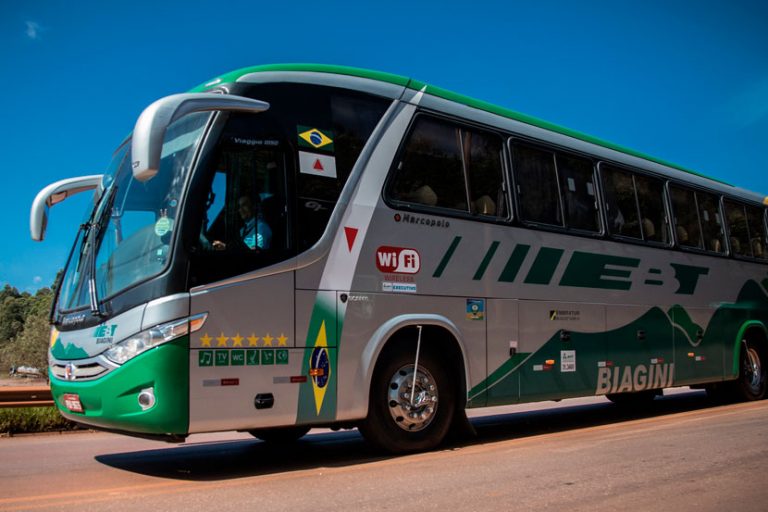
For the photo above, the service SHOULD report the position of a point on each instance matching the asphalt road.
(684, 455)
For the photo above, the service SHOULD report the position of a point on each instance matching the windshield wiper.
(95, 229)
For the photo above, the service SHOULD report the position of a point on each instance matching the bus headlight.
(150, 338)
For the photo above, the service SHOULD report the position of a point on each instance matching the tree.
(12, 313)
(24, 328)
(31, 347)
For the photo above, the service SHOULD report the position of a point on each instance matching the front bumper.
(111, 402)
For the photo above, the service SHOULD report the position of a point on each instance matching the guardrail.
(25, 396)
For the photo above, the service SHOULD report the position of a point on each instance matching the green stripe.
(447, 257)
(514, 263)
(487, 260)
(234, 76)
(544, 266)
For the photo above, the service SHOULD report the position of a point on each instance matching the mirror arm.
(149, 132)
(56, 193)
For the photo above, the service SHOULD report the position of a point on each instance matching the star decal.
(221, 341)
(206, 340)
(253, 340)
(237, 340)
(282, 340)
(267, 340)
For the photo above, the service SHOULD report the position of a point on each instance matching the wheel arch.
(751, 330)
(387, 334)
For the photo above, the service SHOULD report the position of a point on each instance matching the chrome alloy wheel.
(753, 371)
(415, 416)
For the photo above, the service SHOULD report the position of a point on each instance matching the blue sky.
(683, 81)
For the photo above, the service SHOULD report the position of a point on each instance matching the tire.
(637, 399)
(280, 435)
(396, 426)
(752, 382)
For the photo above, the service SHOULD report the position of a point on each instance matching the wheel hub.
(412, 409)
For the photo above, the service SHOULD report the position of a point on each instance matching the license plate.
(72, 402)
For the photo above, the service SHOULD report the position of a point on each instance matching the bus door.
(245, 348)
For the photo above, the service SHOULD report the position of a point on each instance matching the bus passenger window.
(578, 186)
(711, 222)
(482, 157)
(536, 180)
(737, 229)
(650, 197)
(430, 171)
(686, 218)
(756, 232)
(620, 202)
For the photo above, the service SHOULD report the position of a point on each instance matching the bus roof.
(410, 83)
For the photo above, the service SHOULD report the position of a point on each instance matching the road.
(585, 454)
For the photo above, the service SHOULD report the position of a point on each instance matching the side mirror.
(56, 193)
(149, 132)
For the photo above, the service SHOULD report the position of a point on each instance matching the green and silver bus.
(296, 246)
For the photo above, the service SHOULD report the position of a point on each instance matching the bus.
(296, 246)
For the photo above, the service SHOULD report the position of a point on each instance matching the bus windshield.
(132, 226)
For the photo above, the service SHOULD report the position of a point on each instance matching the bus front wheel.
(409, 410)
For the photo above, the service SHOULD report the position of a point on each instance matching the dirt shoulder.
(22, 381)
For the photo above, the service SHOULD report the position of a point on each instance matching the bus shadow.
(247, 458)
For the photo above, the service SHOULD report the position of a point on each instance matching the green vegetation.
(24, 420)
(24, 327)
(24, 338)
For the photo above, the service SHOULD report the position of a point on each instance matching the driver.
(255, 233)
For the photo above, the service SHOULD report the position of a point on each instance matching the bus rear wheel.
(280, 435)
(753, 373)
(409, 409)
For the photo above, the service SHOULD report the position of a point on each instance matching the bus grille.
(77, 372)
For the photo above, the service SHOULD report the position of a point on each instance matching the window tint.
(246, 203)
(482, 156)
(711, 222)
(340, 121)
(650, 196)
(430, 170)
(273, 180)
(441, 161)
(620, 202)
(686, 218)
(536, 180)
(244, 224)
(738, 231)
(756, 232)
(578, 188)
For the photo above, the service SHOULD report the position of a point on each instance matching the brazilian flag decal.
(317, 397)
(314, 138)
